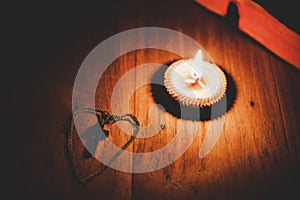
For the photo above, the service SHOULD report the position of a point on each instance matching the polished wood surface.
(257, 153)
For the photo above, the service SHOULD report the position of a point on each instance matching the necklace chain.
(104, 118)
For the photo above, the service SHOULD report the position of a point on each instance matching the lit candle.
(196, 74)
(195, 81)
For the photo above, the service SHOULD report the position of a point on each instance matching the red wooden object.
(263, 27)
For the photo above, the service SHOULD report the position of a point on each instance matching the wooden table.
(256, 156)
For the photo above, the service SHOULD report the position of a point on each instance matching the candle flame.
(198, 57)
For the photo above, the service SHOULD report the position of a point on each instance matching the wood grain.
(246, 62)
(255, 157)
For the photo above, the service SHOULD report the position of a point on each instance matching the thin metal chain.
(104, 118)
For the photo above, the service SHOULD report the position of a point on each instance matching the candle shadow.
(162, 97)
